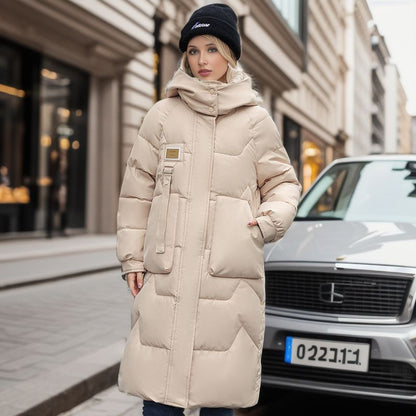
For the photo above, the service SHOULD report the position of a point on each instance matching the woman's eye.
(212, 50)
(192, 51)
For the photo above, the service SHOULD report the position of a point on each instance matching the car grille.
(350, 294)
(390, 376)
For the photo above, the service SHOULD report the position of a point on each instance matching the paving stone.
(65, 383)
(26, 249)
(6, 383)
(18, 375)
(10, 410)
(113, 393)
(21, 362)
(110, 402)
(58, 337)
(52, 353)
(9, 352)
(65, 265)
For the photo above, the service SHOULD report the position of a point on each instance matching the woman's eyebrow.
(208, 44)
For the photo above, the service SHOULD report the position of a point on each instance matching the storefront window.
(305, 150)
(62, 147)
(13, 192)
(291, 141)
(43, 143)
(312, 163)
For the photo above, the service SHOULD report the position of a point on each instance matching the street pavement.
(32, 261)
(109, 402)
(64, 318)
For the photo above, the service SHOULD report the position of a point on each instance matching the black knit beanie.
(216, 19)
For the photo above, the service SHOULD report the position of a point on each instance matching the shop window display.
(13, 191)
(43, 143)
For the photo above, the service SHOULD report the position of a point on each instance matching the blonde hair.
(223, 49)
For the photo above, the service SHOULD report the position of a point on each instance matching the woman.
(207, 183)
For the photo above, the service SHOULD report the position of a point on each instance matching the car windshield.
(363, 191)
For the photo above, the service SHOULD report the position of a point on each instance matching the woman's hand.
(252, 223)
(135, 282)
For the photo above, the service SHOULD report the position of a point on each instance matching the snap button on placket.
(212, 91)
(211, 109)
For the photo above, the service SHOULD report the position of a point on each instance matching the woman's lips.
(204, 72)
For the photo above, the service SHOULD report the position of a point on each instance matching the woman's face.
(205, 61)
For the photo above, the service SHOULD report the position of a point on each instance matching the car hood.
(378, 243)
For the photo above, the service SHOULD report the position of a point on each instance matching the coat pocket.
(159, 242)
(237, 249)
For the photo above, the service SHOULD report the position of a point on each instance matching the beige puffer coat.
(206, 161)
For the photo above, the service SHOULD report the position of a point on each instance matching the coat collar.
(214, 98)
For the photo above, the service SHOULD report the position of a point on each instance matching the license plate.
(353, 356)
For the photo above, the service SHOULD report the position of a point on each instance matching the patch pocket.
(237, 249)
(159, 242)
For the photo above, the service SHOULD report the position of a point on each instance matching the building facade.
(404, 133)
(62, 65)
(398, 132)
(359, 89)
(77, 77)
(313, 114)
(380, 59)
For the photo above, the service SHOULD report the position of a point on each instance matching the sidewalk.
(61, 338)
(32, 261)
(109, 402)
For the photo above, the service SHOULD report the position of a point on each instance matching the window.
(43, 142)
(363, 191)
(62, 147)
(312, 162)
(291, 11)
(14, 189)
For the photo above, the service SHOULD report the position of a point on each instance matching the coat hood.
(214, 98)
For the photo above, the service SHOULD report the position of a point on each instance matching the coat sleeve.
(136, 195)
(279, 187)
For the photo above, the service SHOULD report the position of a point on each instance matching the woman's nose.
(202, 58)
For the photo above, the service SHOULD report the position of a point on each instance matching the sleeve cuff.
(267, 228)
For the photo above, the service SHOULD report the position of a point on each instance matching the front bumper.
(392, 369)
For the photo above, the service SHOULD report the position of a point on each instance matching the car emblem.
(328, 293)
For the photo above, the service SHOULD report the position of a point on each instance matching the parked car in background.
(341, 284)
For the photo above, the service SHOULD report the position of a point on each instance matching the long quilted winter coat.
(207, 160)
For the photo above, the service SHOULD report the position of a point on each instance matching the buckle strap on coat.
(163, 213)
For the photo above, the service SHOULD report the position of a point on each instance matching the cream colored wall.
(118, 104)
(136, 98)
(405, 123)
(318, 102)
(127, 16)
(360, 143)
(413, 134)
(398, 134)
(359, 94)
(391, 107)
